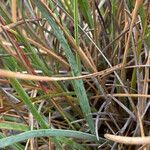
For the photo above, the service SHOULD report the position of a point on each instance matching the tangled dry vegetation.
(74, 74)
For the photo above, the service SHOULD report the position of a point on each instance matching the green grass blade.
(86, 12)
(14, 126)
(4, 14)
(45, 133)
(76, 31)
(76, 21)
(78, 85)
(14, 146)
(25, 98)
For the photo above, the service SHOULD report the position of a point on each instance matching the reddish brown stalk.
(23, 58)
(28, 65)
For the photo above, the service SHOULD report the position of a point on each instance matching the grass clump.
(74, 74)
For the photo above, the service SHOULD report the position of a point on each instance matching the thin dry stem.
(128, 140)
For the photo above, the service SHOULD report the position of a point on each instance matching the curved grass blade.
(45, 133)
(25, 98)
(15, 146)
